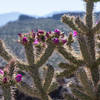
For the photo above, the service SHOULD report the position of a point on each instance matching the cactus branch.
(48, 52)
(84, 49)
(67, 73)
(80, 95)
(35, 75)
(49, 77)
(98, 61)
(4, 53)
(89, 11)
(96, 28)
(69, 97)
(67, 66)
(86, 83)
(6, 93)
(67, 20)
(69, 56)
(26, 89)
(29, 53)
(81, 25)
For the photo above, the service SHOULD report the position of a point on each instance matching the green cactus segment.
(80, 95)
(67, 73)
(26, 89)
(49, 77)
(69, 56)
(69, 21)
(84, 49)
(4, 53)
(91, 46)
(67, 66)
(89, 11)
(81, 25)
(86, 83)
(78, 87)
(53, 86)
(29, 53)
(6, 93)
(98, 61)
(48, 52)
(70, 40)
(98, 90)
(35, 75)
(69, 97)
(96, 28)
(95, 1)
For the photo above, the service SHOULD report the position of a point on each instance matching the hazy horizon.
(38, 8)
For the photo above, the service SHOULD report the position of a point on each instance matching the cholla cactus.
(33, 42)
(8, 80)
(89, 88)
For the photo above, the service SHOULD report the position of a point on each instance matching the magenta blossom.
(36, 42)
(25, 39)
(64, 41)
(41, 31)
(18, 77)
(56, 40)
(20, 35)
(75, 33)
(5, 80)
(1, 72)
(57, 31)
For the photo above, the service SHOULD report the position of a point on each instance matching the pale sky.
(42, 7)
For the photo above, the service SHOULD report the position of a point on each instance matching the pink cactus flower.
(1, 72)
(64, 41)
(5, 80)
(20, 35)
(25, 39)
(57, 31)
(75, 33)
(56, 40)
(18, 78)
(41, 31)
(36, 42)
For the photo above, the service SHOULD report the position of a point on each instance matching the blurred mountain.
(5, 18)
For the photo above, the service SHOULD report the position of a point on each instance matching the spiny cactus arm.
(69, 97)
(26, 89)
(67, 66)
(81, 25)
(48, 52)
(67, 20)
(98, 90)
(53, 86)
(89, 11)
(49, 77)
(86, 82)
(37, 81)
(11, 67)
(29, 53)
(22, 65)
(67, 73)
(76, 86)
(6, 92)
(96, 28)
(98, 61)
(83, 48)
(69, 56)
(4, 53)
(80, 95)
